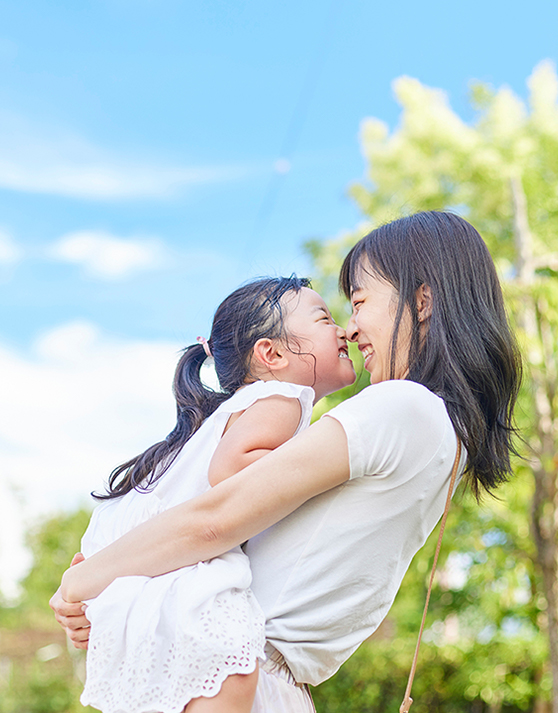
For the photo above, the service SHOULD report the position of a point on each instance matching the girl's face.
(324, 361)
(371, 325)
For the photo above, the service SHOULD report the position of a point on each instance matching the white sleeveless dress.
(156, 643)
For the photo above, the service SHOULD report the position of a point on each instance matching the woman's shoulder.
(395, 406)
(393, 423)
(393, 395)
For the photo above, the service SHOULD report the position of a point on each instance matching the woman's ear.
(270, 354)
(424, 302)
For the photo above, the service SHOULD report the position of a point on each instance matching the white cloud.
(36, 160)
(72, 410)
(107, 256)
(9, 252)
(15, 559)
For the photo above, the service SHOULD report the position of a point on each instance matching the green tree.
(39, 673)
(52, 542)
(501, 173)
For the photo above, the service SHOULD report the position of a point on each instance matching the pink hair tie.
(203, 341)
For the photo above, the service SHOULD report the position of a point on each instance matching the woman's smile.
(372, 324)
(367, 352)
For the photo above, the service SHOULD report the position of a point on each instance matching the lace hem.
(159, 675)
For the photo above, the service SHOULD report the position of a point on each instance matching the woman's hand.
(70, 615)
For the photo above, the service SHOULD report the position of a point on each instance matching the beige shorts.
(277, 690)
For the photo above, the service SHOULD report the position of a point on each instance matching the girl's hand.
(71, 616)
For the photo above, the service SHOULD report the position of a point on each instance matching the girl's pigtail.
(251, 312)
(194, 403)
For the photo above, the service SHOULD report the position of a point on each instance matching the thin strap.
(407, 701)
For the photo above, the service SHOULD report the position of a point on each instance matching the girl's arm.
(234, 510)
(248, 436)
(253, 433)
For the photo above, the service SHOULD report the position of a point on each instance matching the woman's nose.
(352, 329)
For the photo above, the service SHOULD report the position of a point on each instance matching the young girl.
(191, 638)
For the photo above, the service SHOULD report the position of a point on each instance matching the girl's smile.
(318, 346)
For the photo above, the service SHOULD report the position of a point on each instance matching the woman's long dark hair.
(468, 356)
(250, 313)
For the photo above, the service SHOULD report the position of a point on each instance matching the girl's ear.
(424, 302)
(270, 354)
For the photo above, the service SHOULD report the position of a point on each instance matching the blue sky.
(162, 121)
(139, 143)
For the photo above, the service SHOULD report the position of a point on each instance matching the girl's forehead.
(306, 299)
(311, 298)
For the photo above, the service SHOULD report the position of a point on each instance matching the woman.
(361, 490)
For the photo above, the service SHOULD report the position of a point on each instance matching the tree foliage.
(39, 673)
(494, 605)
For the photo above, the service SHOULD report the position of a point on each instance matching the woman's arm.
(236, 509)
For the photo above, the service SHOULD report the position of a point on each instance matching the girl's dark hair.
(468, 356)
(251, 312)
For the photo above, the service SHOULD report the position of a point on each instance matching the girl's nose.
(341, 333)
(352, 329)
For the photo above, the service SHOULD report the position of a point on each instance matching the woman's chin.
(374, 377)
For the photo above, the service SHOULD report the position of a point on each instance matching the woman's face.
(371, 325)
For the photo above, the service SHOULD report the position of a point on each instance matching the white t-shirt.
(327, 574)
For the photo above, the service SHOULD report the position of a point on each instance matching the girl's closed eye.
(324, 316)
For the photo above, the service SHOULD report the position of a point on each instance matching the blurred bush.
(39, 673)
